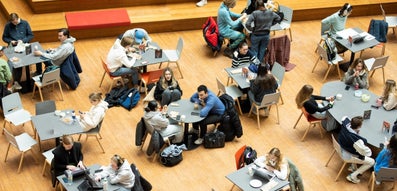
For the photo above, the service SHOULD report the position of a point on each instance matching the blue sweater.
(382, 160)
(213, 105)
(21, 31)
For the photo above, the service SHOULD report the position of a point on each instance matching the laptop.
(358, 38)
(263, 173)
(89, 183)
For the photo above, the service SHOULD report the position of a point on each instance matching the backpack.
(231, 124)
(330, 48)
(130, 98)
(249, 155)
(250, 8)
(279, 13)
(211, 34)
(114, 95)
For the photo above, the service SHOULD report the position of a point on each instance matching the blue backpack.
(130, 98)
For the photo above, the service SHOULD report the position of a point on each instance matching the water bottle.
(73, 116)
(105, 184)
(70, 177)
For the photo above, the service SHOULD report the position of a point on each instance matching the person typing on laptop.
(274, 163)
(118, 171)
(67, 156)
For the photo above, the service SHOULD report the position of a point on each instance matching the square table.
(148, 56)
(342, 38)
(50, 126)
(77, 181)
(242, 179)
(237, 75)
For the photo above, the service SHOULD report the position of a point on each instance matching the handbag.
(214, 140)
(172, 155)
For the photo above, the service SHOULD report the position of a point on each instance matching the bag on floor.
(214, 140)
(114, 95)
(130, 99)
(211, 34)
(172, 155)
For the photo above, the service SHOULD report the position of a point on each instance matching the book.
(367, 114)
(158, 53)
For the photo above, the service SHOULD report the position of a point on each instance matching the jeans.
(123, 71)
(169, 96)
(259, 45)
(39, 68)
(210, 119)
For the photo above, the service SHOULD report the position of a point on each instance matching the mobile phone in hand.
(347, 87)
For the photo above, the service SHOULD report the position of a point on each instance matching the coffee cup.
(57, 112)
(183, 117)
(196, 106)
(338, 96)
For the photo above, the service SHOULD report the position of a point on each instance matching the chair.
(45, 107)
(49, 78)
(238, 158)
(232, 90)
(22, 142)
(286, 23)
(337, 149)
(175, 55)
(384, 175)
(391, 20)
(373, 64)
(278, 72)
(312, 122)
(106, 71)
(378, 29)
(323, 56)
(267, 101)
(150, 130)
(95, 132)
(48, 156)
(149, 78)
(14, 113)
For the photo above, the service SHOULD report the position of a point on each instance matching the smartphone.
(80, 112)
(99, 170)
(347, 87)
(374, 106)
(195, 113)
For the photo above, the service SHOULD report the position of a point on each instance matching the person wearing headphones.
(139, 35)
(67, 156)
(337, 21)
(118, 171)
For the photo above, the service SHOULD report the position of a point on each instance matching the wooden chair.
(149, 78)
(267, 101)
(49, 78)
(373, 64)
(312, 122)
(14, 113)
(175, 55)
(391, 20)
(338, 150)
(323, 56)
(232, 90)
(384, 175)
(48, 156)
(95, 132)
(286, 22)
(237, 157)
(278, 72)
(113, 78)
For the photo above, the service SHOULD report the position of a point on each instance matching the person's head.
(126, 41)
(139, 35)
(67, 142)
(116, 161)
(263, 69)
(392, 146)
(14, 19)
(358, 65)
(346, 10)
(168, 74)
(230, 3)
(274, 158)
(303, 95)
(260, 4)
(390, 87)
(356, 123)
(243, 48)
(202, 92)
(151, 106)
(95, 98)
(63, 34)
(2, 50)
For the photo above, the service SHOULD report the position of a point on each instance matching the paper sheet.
(271, 184)
(346, 33)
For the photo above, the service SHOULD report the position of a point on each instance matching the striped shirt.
(241, 60)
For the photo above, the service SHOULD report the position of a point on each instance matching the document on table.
(346, 33)
(268, 186)
(236, 71)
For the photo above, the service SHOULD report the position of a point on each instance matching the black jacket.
(231, 124)
(62, 158)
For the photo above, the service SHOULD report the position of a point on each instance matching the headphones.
(119, 160)
(345, 10)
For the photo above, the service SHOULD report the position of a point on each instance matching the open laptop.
(90, 183)
(263, 173)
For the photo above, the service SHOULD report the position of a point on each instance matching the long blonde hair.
(390, 87)
(277, 153)
(163, 82)
(303, 95)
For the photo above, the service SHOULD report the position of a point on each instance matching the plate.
(255, 183)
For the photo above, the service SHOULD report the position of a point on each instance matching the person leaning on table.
(274, 162)
(357, 75)
(67, 156)
(118, 171)
(354, 149)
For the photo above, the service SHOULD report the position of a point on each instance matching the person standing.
(230, 28)
(354, 149)
(212, 110)
(119, 172)
(17, 30)
(167, 88)
(243, 56)
(67, 156)
(260, 22)
(91, 118)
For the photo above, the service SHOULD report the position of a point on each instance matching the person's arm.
(283, 172)
(361, 148)
(391, 102)
(147, 37)
(6, 34)
(362, 80)
(226, 16)
(208, 106)
(349, 76)
(382, 160)
(312, 107)
(249, 22)
(326, 24)
(126, 61)
(29, 33)
(195, 98)
(158, 92)
(179, 88)
(93, 117)
(276, 17)
(160, 121)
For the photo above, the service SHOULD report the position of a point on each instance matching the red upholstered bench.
(97, 19)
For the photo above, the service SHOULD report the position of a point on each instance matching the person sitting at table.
(160, 123)
(119, 64)
(139, 35)
(389, 97)
(67, 156)
(229, 28)
(91, 118)
(243, 56)
(212, 110)
(335, 23)
(387, 158)
(264, 83)
(274, 162)
(306, 99)
(59, 54)
(118, 171)
(5, 73)
(357, 75)
(167, 88)
(263, 20)
(354, 149)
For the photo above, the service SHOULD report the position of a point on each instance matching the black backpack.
(249, 155)
(330, 48)
(114, 95)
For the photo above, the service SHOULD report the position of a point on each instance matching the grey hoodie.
(62, 52)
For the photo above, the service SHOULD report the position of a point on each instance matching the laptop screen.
(93, 183)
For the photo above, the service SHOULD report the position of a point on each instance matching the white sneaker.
(201, 3)
(16, 86)
(199, 141)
